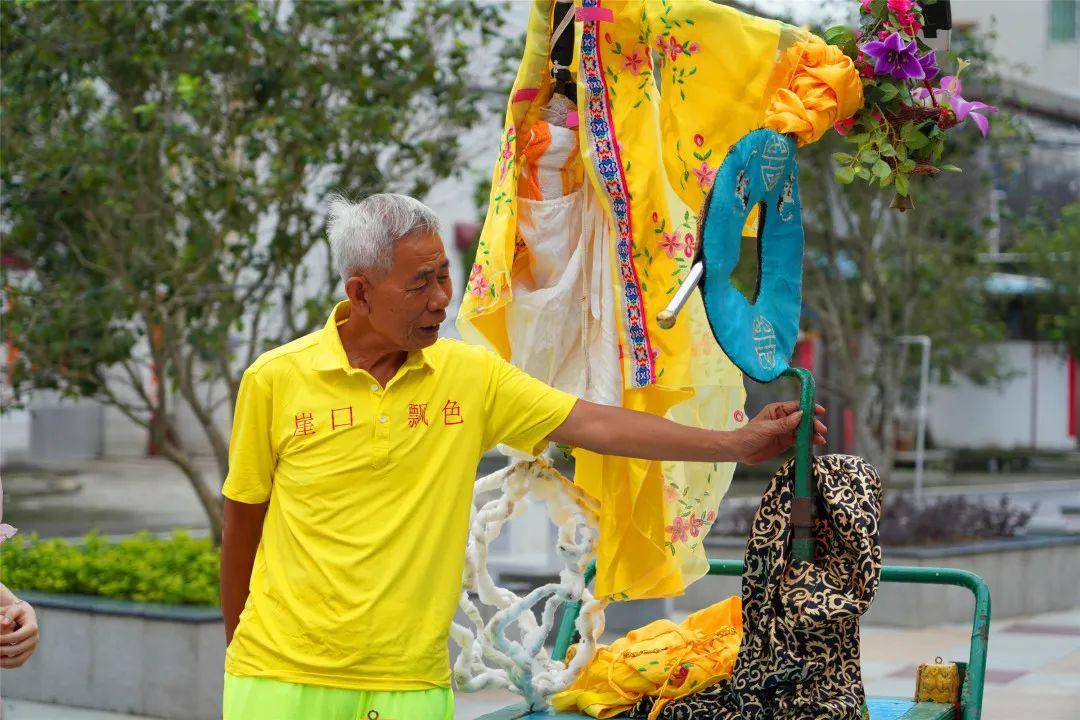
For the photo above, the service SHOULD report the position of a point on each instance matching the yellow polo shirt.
(358, 572)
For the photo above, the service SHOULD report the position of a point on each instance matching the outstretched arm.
(616, 431)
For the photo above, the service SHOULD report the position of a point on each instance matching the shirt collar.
(330, 354)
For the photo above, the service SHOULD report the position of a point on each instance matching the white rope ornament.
(491, 659)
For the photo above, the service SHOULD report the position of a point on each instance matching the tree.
(874, 275)
(165, 164)
(1051, 250)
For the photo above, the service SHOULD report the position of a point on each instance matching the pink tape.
(599, 14)
(526, 94)
(572, 119)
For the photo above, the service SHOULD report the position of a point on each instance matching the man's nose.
(439, 299)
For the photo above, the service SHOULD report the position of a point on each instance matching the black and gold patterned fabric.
(799, 658)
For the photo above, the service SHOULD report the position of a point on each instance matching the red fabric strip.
(599, 14)
(526, 94)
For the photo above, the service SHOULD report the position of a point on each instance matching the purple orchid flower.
(929, 65)
(894, 57)
(948, 91)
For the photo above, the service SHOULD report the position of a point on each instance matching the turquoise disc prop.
(758, 335)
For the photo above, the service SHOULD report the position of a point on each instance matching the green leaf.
(249, 11)
(916, 141)
(948, 167)
(839, 35)
(881, 169)
(913, 137)
(888, 91)
(187, 86)
(843, 157)
(845, 175)
(902, 185)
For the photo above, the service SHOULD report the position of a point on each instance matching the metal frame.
(972, 692)
(802, 506)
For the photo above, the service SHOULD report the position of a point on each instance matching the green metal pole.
(568, 634)
(802, 508)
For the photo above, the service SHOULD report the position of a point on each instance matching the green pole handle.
(802, 504)
(568, 634)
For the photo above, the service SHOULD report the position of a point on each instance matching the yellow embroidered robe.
(664, 88)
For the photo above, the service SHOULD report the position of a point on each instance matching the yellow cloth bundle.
(663, 659)
(824, 89)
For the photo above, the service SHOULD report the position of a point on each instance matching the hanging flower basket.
(901, 130)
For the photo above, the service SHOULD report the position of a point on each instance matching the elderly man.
(350, 480)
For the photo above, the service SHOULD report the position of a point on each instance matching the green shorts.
(253, 698)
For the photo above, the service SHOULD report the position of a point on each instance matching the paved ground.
(119, 496)
(111, 496)
(1033, 670)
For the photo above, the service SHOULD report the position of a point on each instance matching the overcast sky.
(827, 12)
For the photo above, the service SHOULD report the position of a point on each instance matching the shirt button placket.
(382, 428)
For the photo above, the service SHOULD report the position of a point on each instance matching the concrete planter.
(159, 660)
(1026, 576)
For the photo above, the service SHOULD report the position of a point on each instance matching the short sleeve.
(521, 410)
(251, 449)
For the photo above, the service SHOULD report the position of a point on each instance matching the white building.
(1038, 42)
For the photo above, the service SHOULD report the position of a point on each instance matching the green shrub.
(179, 570)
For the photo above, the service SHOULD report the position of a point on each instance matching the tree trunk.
(210, 500)
(867, 440)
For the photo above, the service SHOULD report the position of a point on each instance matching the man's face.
(407, 303)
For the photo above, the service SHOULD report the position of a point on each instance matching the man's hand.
(772, 432)
(18, 634)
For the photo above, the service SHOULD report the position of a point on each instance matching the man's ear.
(358, 290)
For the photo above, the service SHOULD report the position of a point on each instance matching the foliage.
(873, 277)
(179, 570)
(1052, 251)
(937, 521)
(950, 519)
(164, 170)
(900, 132)
(481, 191)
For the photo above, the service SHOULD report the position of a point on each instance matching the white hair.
(362, 235)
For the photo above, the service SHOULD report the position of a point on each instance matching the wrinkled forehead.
(419, 254)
